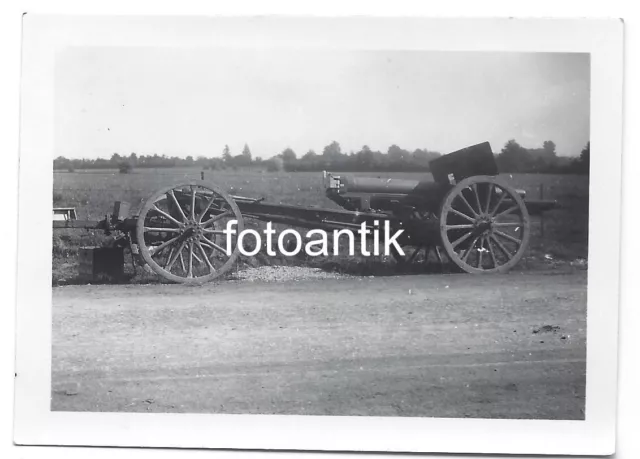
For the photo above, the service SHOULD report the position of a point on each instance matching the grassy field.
(92, 193)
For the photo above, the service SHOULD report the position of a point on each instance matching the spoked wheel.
(484, 225)
(421, 252)
(180, 232)
(419, 258)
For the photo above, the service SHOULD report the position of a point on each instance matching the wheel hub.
(192, 232)
(484, 224)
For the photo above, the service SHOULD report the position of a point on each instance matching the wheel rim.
(484, 225)
(180, 232)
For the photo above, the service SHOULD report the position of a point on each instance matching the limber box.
(101, 263)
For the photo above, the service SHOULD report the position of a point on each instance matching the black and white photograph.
(334, 142)
(252, 218)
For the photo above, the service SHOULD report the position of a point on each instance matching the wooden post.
(542, 213)
(201, 175)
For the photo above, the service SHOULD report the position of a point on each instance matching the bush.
(62, 247)
(274, 164)
(71, 169)
(125, 167)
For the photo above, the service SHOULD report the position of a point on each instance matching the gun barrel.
(353, 184)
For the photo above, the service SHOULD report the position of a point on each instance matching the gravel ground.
(509, 346)
(285, 273)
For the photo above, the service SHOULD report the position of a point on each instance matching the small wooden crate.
(101, 263)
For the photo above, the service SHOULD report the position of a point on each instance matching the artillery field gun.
(466, 214)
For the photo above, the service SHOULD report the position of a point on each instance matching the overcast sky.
(193, 102)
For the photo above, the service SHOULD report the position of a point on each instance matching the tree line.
(515, 158)
(512, 158)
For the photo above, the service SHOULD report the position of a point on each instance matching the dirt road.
(510, 346)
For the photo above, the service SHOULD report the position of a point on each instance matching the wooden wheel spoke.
(166, 215)
(174, 257)
(182, 265)
(507, 236)
(177, 204)
(216, 218)
(162, 246)
(148, 229)
(507, 212)
(190, 272)
(438, 255)
(193, 203)
(502, 247)
(489, 195)
(474, 187)
(213, 231)
(497, 206)
(206, 208)
(427, 251)
(197, 258)
(205, 256)
(213, 245)
(461, 214)
(169, 256)
(493, 255)
(466, 226)
(206, 242)
(470, 249)
(414, 254)
(461, 239)
(502, 224)
(466, 203)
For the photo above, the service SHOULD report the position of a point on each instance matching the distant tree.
(61, 163)
(310, 161)
(549, 147)
(332, 151)
(288, 155)
(365, 159)
(583, 160)
(422, 157)
(332, 158)
(585, 153)
(226, 155)
(397, 154)
(246, 153)
(514, 158)
(310, 155)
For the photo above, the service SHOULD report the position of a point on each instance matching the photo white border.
(43, 36)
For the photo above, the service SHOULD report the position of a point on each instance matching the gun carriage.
(466, 214)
